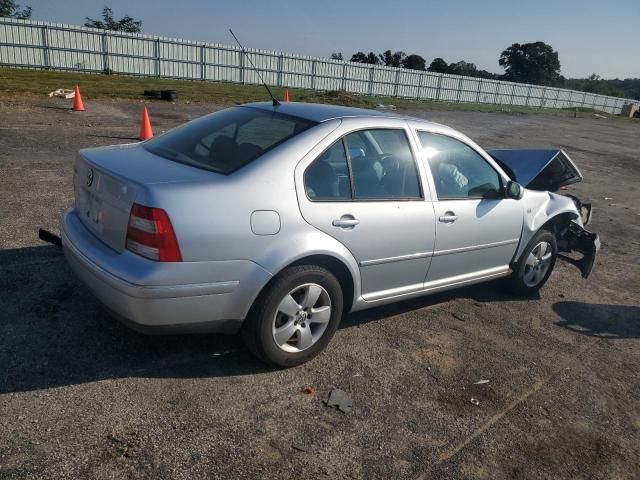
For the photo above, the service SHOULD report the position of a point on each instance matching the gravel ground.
(82, 396)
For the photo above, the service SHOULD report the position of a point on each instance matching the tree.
(414, 62)
(392, 59)
(9, 8)
(535, 63)
(463, 68)
(362, 57)
(596, 84)
(485, 74)
(439, 66)
(336, 56)
(125, 24)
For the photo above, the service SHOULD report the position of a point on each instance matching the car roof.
(319, 112)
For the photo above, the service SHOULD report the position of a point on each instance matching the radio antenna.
(275, 102)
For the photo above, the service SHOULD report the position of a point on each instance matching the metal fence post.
(479, 90)
(526, 104)
(156, 54)
(105, 53)
(555, 101)
(279, 79)
(420, 84)
(396, 83)
(203, 67)
(438, 87)
(542, 100)
(45, 44)
(313, 75)
(459, 90)
(372, 73)
(584, 99)
(241, 53)
(513, 94)
(344, 77)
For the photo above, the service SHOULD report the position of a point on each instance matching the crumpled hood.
(538, 169)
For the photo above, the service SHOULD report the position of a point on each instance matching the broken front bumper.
(576, 238)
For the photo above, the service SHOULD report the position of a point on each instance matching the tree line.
(417, 62)
(535, 63)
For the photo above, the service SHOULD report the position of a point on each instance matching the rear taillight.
(151, 235)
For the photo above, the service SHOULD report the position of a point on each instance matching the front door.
(365, 192)
(477, 228)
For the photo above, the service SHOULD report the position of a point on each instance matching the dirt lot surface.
(82, 396)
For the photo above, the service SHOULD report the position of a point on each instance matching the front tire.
(296, 316)
(535, 264)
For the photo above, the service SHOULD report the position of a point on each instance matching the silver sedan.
(277, 220)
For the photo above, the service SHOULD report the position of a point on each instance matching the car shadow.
(53, 332)
(599, 320)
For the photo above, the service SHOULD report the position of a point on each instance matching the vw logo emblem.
(89, 177)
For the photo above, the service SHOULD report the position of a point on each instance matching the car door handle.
(346, 221)
(448, 217)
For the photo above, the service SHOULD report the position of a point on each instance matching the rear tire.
(535, 264)
(295, 317)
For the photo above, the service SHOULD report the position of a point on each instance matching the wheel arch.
(544, 210)
(333, 264)
(557, 222)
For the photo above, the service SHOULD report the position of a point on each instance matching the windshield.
(227, 140)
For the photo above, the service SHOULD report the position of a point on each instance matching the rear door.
(365, 190)
(477, 228)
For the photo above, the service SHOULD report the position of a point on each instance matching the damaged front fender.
(565, 216)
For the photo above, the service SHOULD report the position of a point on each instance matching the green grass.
(18, 82)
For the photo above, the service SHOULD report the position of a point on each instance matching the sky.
(591, 36)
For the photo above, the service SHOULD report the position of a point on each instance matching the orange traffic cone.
(145, 128)
(286, 94)
(78, 106)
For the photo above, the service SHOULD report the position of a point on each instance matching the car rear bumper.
(157, 297)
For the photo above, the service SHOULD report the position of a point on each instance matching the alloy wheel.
(537, 263)
(301, 318)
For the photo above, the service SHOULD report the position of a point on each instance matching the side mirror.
(514, 190)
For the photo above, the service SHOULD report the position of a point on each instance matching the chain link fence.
(32, 44)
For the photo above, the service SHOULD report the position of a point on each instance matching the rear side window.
(227, 140)
(327, 178)
(458, 171)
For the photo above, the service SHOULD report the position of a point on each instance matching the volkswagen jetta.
(275, 220)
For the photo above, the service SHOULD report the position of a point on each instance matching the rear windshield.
(227, 140)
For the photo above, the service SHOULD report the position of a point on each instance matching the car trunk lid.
(108, 180)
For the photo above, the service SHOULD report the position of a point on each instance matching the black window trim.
(349, 169)
(430, 173)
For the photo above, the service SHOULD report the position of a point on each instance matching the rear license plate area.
(90, 208)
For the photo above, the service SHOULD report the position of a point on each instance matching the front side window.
(227, 140)
(459, 171)
(382, 165)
